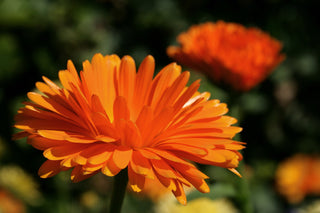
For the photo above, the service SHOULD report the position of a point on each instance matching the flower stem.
(118, 192)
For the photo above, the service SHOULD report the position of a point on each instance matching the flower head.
(229, 53)
(112, 117)
(299, 176)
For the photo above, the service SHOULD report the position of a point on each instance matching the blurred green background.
(280, 117)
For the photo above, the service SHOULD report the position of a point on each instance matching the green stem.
(118, 192)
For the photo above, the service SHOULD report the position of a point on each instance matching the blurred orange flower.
(10, 204)
(299, 176)
(229, 53)
(112, 118)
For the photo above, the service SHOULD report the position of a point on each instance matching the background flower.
(299, 176)
(200, 205)
(10, 204)
(22, 185)
(314, 207)
(229, 53)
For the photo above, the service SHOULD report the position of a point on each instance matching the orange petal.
(172, 92)
(183, 148)
(77, 174)
(189, 170)
(89, 168)
(234, 146)
(168, 156)
(66, 79)
(110, 168)
(149, 154)
(71, 68)
(121, 156)
(68, 162)
(104, 127)
(163, 168)
(136, 181)
(49, 168)
(45, 89)
(100, 80)
(180, 194)
(101, 158)
(62, 135)
(160, 122)
(144, 122)
(127, 79)
(48, 104)
(61, 152)
(42, 143)
(235, 171)
(130, 134)
(20, 135)
(120, 109)
(141, 165)
(167, 182)
(194, 176)
(143, 81)
(187, 95)
(52, 85)
(163, 79)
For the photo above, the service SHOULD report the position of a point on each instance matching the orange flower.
(10, 204)
(299, 176)
(229, 53)
(112, 118)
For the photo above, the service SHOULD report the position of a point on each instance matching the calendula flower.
(10, 204)
(228, 52)
(299, 176)
(113, 118)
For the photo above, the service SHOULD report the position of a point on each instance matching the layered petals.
(110, 117)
